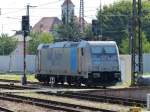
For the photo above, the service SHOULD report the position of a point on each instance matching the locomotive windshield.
(103, 53)
(104, 50)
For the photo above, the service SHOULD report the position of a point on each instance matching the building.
(67, 11)
(46, 24)
(19, 48)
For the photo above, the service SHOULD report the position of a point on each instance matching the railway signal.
(25, 30)
(25, 25)
(95, 27)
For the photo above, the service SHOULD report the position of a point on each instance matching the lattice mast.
(81, 15)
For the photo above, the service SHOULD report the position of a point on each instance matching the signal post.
(25, 30)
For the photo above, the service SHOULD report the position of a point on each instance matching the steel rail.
(11, 87)
(100, 98)
(50, 104)
(84, 87)
(16, 81)
(3, 109)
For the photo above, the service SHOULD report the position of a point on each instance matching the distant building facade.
(19, 48)
(67, 11)
(46, 24)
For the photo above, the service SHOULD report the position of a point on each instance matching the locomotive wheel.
(78, 82)
(56, 81)
(89, 83)
(62, 82)
(69, 81)
(104, 87)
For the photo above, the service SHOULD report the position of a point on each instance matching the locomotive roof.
(64, 44)
(102, 42)
(75, 44)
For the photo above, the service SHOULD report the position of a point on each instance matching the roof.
(80, 44)
(46, 24)
(69, 2)
(102, 42)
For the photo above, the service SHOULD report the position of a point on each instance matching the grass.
(30, 77)
(146, 74)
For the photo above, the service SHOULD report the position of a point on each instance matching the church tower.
(67, 11)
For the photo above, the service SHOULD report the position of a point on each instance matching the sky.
(11, 11)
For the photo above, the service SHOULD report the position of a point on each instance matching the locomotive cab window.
(103, 50)
(103, 54)
(110, 49)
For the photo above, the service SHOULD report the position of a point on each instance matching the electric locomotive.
(93, 63)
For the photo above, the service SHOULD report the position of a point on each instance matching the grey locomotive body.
(87, 62)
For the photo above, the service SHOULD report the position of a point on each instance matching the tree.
(38, 38)
(88, 34)
(7, 44)
(67, 32)
(114, 20)
(124, 47)
(146, 18)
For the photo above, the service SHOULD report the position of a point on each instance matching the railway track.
(48, 85)
(2, 109)
(16, 81)
(50, 104)
(103, 95)
(11, 87)
(101, 98)
(83, 87)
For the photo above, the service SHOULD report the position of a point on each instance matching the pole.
(101, 19)
(133, 43)
(67, 12)
(140, 57)
(81, 16)
(28, 14)
(67, 21)
(28, 10)
(24, 78)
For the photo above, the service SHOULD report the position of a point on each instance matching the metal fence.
(14, 63)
